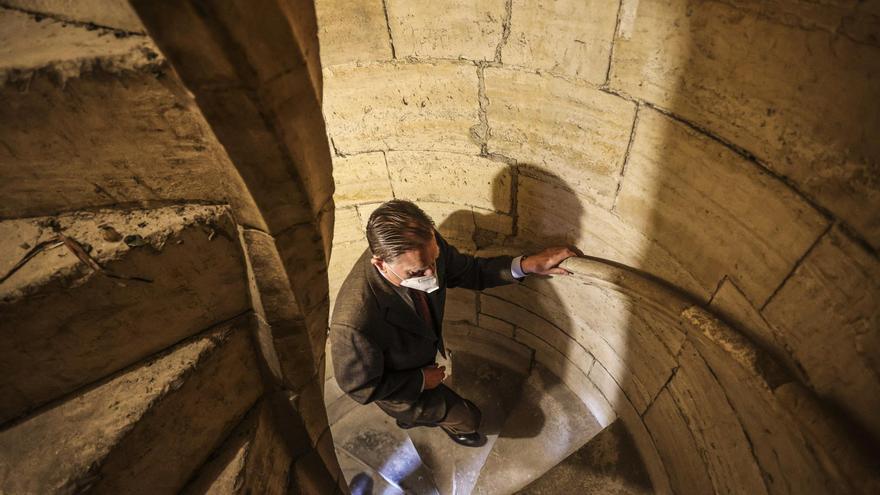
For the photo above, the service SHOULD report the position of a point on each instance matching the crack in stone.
(480, 132)
(505, 29)
(632, 138)
(388, 26)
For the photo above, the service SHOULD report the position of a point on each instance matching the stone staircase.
(129, 358)
(534, 424)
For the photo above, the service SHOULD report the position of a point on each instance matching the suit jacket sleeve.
(471, 272)
(360, 369)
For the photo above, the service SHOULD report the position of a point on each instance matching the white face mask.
(426, 283)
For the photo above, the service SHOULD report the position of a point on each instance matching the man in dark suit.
(386, 329)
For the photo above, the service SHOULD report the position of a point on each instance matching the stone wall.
(725, 150)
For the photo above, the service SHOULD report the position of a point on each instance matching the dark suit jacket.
(379, 343)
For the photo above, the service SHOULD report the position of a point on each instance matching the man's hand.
(433, 375)
(547, 261)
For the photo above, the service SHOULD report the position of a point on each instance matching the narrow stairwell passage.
(532, 423)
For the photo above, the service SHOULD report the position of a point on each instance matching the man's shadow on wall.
(523, 412)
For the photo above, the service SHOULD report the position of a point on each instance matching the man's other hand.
(547, 261)
(433, 375)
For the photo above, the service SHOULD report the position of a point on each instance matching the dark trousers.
(438, 406)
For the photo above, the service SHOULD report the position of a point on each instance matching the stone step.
(253, 459)
(372, 437)
(143, 430)
(608, 464)
(363, 480)
(338, 403)
(143, 280)
(548, 423)
(494, 389)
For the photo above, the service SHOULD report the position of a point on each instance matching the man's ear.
(377, 262)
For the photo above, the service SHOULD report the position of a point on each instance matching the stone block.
(303, 259)
(347, 227)
(572, 38)
(550, 213)
(341, 264)
(800, 105)
(402, 106)
(469, 29)
(309, 403)
(786, 457)
(105, 138)
(657, 471)
(123, 435)
(454, 222)
(828, 314)
(265, 169)
(361, 178)
(181, 271)
(694, 195)
(675, 444)
(609, 463)
(352, 32)
(66, 52)
(451, 178)
(571, 131)
(492, 222)
(549, 420)
(604, 322)
(732, 305)
(487, 322)
(115, 14)
(296, 118)
(717, 431)
(312, 476)
(461, 305)
(253, 459)
(501, 350)
(283, 330)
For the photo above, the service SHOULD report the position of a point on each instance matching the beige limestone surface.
(394, 106)
(723, 214)
(572, 38)
(827, 314)
(352, 32)
(94, 440)
(149, 279)
(28, 45)
(469, 29)
(772, 78)
(115, 14)
(572, 131)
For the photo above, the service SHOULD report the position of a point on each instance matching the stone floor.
(540, 439)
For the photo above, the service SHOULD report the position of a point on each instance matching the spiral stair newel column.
(253, 70)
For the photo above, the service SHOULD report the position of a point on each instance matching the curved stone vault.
(185, 186)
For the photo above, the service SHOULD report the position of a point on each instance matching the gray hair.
(398, 226)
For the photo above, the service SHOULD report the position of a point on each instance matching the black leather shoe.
(475, 439)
